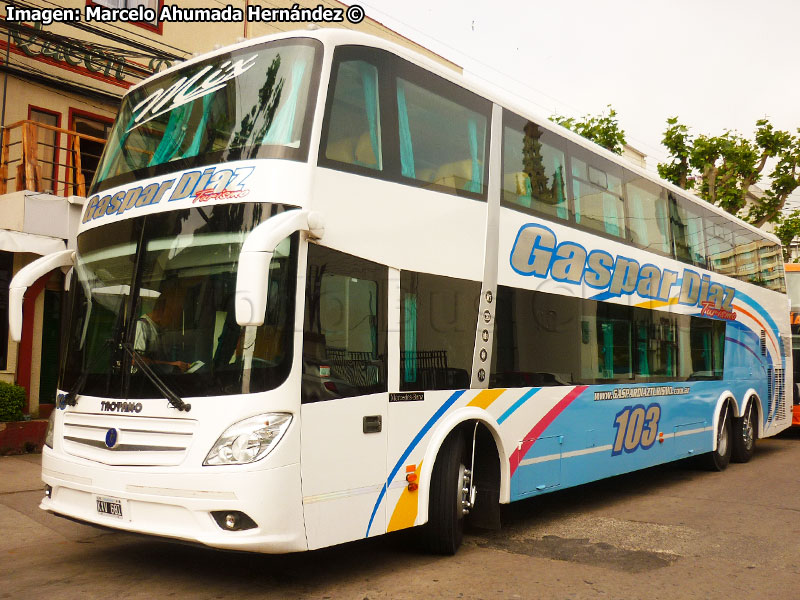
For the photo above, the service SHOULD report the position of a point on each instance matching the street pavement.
(668, 532)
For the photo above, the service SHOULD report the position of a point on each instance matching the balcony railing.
(44, 158)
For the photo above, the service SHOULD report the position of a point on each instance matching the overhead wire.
(103, 53)
(124, 55)
(129, 41)
(28, 71)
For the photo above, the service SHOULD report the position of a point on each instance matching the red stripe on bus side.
(538, 429)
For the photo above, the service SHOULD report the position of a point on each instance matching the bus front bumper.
(181, 505)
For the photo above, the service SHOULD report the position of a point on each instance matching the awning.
(16, 241)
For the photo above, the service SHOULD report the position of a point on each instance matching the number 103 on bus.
(637, 427)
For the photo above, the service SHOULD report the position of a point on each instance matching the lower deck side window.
(344, 331)
(545, 339)
(437, 331)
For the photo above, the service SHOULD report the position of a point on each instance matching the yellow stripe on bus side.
(407, 507)
(485, 398)
(405, 512)
(657, 303)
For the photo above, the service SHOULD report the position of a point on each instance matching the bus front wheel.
(447, 504)
(745, 435)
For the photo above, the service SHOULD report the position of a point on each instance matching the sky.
(715, 64)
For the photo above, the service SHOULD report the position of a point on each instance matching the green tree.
(722, 168)
(787, 229)
(602, 129)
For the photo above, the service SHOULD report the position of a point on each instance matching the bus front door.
(344, 397)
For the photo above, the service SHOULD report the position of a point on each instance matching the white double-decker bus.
(325, 289)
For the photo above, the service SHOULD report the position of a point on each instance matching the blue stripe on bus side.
(525, 397)
(760, 310)
(770, 322)
(417, 439)
(743, 345)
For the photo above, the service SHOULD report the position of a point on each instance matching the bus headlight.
(249, 440)
(51, 428)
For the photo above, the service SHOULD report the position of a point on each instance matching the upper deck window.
(251, 103)
(389, 119)
(719, 246)
(534, 171)
(442, 142)
(686, 226)
(648, 215)
(548, 176)
(597, 194)
(354, 136)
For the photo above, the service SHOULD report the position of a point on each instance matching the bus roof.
(331, 36)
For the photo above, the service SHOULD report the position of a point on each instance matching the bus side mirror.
(26, 277)
(252, 275)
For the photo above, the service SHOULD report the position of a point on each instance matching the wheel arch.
(751, 396)
(724, 398)
(462, 419)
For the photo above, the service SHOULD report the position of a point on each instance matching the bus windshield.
(248, 103)
(164, 286)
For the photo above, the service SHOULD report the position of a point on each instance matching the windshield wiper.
(173, 398)
(71, 397)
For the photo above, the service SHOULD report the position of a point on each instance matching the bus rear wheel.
(448, 501)
(718, 459)
(745, 435)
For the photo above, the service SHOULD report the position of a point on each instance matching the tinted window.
(354, 135)
(746, 254)
(757, 260)
(534, 171)
(648, 215)
(390, 119)
(253, 102)
(686, 226)
(344, 332)
(706, 341)
(597, 193)
(437, 335)
(442, 141)
(537, 339)
(719, 245)
(165, 284)
(606, 350)
(544, 339)
(655, 336)
(771, 264)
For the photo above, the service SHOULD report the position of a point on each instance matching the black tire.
(745, 434)
(718, 460)
(445, 529)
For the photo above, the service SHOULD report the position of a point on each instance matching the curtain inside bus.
(280, 131)
(406, 150)
(410, 337)
(369, 81)
(476, 183)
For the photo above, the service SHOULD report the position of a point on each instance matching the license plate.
(109, 506)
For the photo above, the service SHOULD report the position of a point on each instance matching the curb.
(22, 437)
